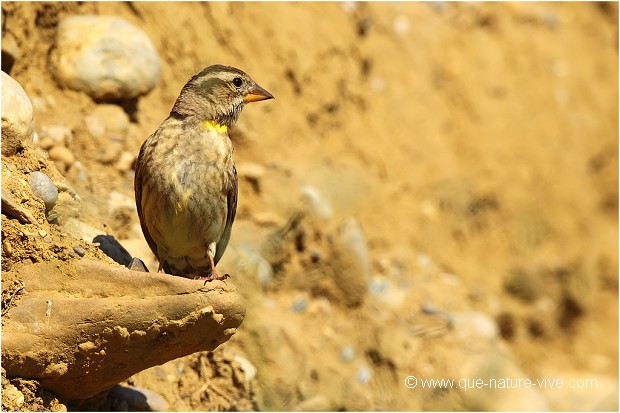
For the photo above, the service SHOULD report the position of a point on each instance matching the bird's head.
(218, 94)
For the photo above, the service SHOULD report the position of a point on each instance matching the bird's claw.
(212, 277)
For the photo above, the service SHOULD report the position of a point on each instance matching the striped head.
(217, 94)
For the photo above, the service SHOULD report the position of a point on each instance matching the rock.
(300, 305)
(45, 143)
(118, 201)
(252, 263)
(110, 153)
(114, 118)
(7, 248)
(12, 398)
(352, 238)
(139, 399)
(248, 368)
(95, 125)
(17, 116)
(10, 51)
(134, 321)
(106, 57)
(106, 120)
(347, 354)
(81, 230)
(43, 187)
(349, 6)
(12, 209)
(350, 264)
(59, 135)
(364, 374)
(79, 250)
(401, 25)
(62, 155)
(125, 161)
(476, 330)
(315, 203)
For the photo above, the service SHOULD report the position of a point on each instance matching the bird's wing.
(230, 217)
(138, 188)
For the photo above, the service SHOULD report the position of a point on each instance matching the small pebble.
(347, 354)
(48, 239)
(125, 161)
(401, 25)
(9, 166)
(316, 204)
(110, 152)
(79, 250)
(95, 126)
(378, 286)
(248, 368)
(254, 264)
(300, 305)
(43, 187)
(46, 143)
(352, 238)
(42, 232)
(114, 118)
(60, 135)
(8, 248)
(364, 375)
(349, 6)
(139, 398)
(61, 154)
(73, 254)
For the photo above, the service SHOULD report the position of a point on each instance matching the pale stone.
(17, 116)
(106, 57)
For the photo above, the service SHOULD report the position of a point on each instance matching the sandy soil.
(475, 144)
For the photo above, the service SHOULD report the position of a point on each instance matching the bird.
(186, 183)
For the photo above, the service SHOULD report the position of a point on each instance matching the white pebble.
(401, 25)
(316, 204)
(17, 116)
(248, 368)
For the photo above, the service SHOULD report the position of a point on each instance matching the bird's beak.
(256, 94)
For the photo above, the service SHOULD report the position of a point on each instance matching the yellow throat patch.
(214, 126)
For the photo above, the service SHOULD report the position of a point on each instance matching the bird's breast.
(194, 180)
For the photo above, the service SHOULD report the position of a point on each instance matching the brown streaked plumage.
(186, 181)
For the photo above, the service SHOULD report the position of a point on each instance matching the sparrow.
(185, 178)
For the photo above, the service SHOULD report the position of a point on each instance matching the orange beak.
(256, 94)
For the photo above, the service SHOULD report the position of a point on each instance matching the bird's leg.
(213, 275)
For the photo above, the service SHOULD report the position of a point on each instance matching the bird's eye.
(237, 82)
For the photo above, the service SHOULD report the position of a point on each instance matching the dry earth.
(476, 144)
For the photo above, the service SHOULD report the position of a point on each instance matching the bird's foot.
(212, 277)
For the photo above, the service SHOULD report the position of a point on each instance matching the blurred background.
(432, 193)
